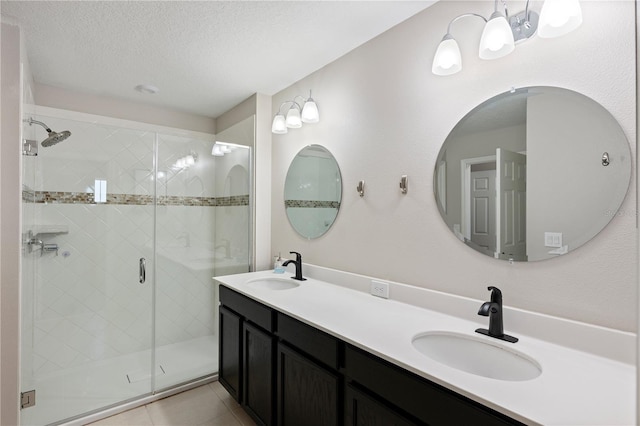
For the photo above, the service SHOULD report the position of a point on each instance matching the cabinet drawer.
(429, 402)
(312, 341)
(251, 310)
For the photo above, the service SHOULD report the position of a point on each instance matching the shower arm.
(32, 121)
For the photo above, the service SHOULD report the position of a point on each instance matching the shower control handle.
(143, 271)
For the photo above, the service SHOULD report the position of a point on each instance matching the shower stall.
(124, 225)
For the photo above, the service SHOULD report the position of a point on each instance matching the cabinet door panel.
(229, 361)
(307, 393)
(364, 410)
(259, 363)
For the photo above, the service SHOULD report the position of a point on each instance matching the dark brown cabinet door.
(229, 360)
(364, 410)
(308, 394)
(258, 362)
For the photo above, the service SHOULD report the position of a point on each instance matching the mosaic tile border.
(58, 197)
(312, 204)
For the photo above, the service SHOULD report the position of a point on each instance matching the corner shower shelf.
(50, 230)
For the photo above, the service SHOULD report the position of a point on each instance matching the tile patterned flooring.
(208, 405)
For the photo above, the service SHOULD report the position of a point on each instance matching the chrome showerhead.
(54, 137)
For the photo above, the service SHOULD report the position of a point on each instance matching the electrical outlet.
(380, 289)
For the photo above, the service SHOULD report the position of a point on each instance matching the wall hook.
(360, 188)
(605, 159)
(404, 184)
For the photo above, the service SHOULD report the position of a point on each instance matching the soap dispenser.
(277, 265)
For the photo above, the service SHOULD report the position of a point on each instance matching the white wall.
(260, 106)
(11, 101)
(55, 97)
(637, 259)
(383, 114)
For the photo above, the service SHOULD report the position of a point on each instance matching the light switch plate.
(553, 239)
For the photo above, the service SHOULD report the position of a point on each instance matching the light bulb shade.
(310, 112)
(293, 121)
(279, 125)
(447, 60)
(497, 38)
(559, 17)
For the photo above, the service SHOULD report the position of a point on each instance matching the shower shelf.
(50, 230)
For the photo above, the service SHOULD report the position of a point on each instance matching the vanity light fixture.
(186, 161)
(221, 148)
(502, 31)
(296, 115)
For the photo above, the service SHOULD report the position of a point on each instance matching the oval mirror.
(532, 174)
(313, 191)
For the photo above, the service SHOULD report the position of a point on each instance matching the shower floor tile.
(208, 405)
(72, 392)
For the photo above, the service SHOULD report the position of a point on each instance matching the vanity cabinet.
(422, 400)
(288, 373)
(247, 354)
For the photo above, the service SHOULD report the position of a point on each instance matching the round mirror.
(313, 191)
(532, 174)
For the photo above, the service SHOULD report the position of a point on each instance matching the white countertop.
(575, 387)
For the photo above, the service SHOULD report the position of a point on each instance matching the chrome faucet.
(298, 264)
(493, 310)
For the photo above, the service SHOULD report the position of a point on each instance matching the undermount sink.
(477, 356)
(273, 283)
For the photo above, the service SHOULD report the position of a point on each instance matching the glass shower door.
(191, 250)
(88, 233)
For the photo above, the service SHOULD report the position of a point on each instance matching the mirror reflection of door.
(511, 199)
(495, 193)
(479, 203)
(483, 206)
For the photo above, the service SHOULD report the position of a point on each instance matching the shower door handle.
(143, 270)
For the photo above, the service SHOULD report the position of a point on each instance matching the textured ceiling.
(205, 56)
